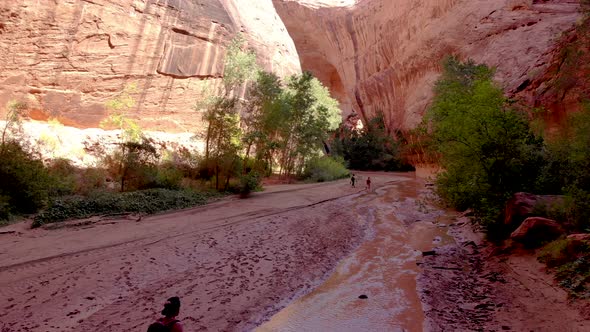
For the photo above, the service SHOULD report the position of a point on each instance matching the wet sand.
(384, 268)
(233, 263)
(472, 285)
(293, 258)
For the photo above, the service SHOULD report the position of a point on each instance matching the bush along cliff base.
(489, 151)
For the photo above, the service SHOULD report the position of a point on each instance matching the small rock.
(484, 305)
(363, 297)
(466, 213)
(75, 312)
(467, 306)
(469, 243)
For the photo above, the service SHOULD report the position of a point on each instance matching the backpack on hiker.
(161, 327)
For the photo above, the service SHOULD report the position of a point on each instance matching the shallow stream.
(384, 267)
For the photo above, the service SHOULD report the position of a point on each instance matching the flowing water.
(384, 268)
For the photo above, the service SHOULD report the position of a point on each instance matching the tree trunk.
(227, 181)
(207, 138)
(216, 177)
(246, 158)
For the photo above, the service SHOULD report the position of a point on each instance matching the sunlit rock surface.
(66, 58)
(87, 147)
(384, 55)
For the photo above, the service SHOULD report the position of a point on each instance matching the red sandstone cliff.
(384, 55)
(67, 57)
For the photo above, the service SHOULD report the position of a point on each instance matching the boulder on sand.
(522, 205)
(535, 230)
(580, 237)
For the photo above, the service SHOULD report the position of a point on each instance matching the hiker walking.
(352, 180)
(368, 183)
(168, 323)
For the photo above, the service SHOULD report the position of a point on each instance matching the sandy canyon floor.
(292, 258)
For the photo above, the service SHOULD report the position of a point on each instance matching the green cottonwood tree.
(224, 139)
(487, 147)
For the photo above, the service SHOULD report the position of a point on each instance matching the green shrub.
(91, 179)
(64, 176)
(145, 201)
(571, 260)
(249, 183)
(562, 251)
(579, 208)
(186, 161)
(487, 147)
(372, 148)
(25, 180)
(133, 165)
(575, 277)
(4, 209)
(566, 169)
(321, 169)
(168, 176)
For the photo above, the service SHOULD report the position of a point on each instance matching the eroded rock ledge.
(384, 55)
(66, 58)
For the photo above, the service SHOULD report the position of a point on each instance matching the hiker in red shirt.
(168, 323)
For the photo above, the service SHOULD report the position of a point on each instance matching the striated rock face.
(564, 85)
(384, 55)
(66, 58)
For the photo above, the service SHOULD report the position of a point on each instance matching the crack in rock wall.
(67, 58)
(385, 55)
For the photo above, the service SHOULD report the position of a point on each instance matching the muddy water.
(384, 268)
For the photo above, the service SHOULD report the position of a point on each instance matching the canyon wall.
(385, 55)
(66, 58)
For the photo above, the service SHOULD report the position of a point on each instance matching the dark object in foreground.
(168, 323)
(363, 297)
(429, 253)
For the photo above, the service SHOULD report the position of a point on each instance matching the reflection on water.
(383, 268)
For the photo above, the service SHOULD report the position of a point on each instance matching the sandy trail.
(297, 254)
(471, 285)
(233, 262)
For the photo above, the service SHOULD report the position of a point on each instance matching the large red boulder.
(580, 237)
(523, 205)
(519, 206)
(536, 230)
